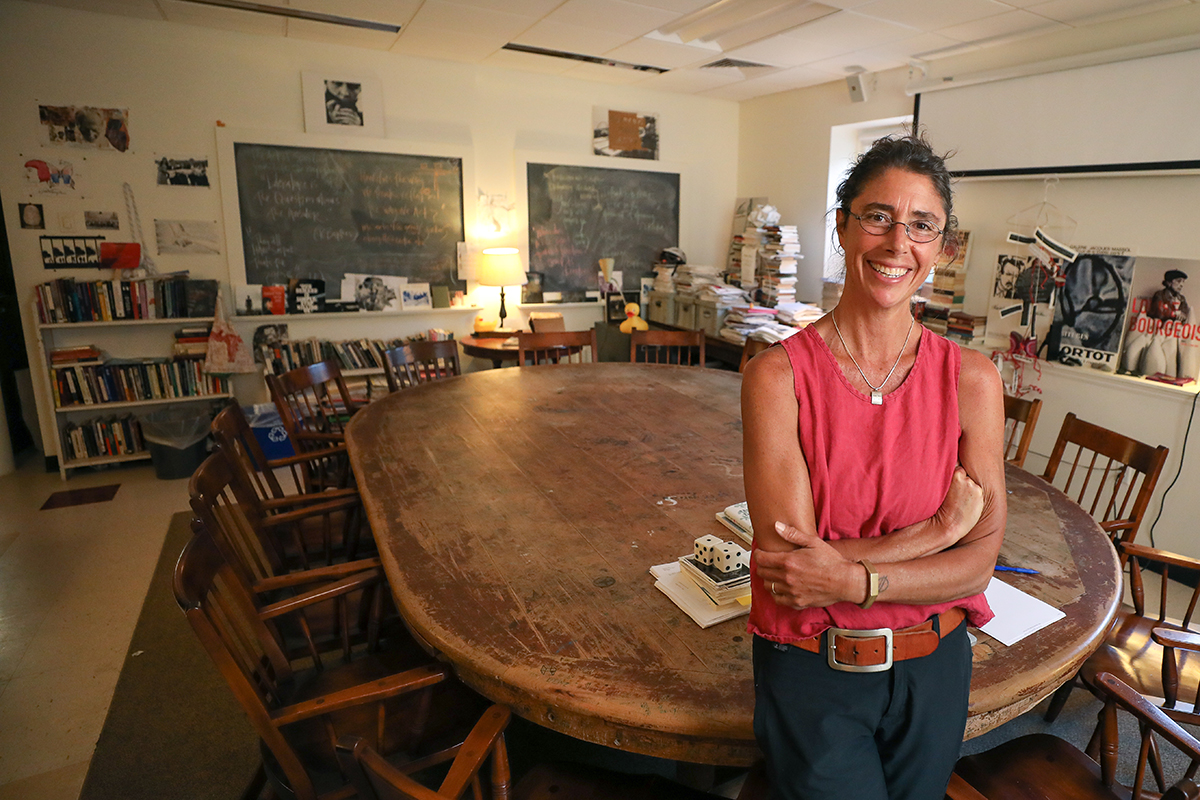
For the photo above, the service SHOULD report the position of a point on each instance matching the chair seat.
(1035, 767)
(1131, 655)
(562, 781)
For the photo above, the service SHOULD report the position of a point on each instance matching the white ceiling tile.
(1077, 12)
(661, 54)
(785, 51)
(603, 74)
(340, 34)
(611, 15)
(693, 80)
(224, 18)
(895, 54)
(390, 12)
(483, 22)
(932, 15)
(850, 30)
(571, 38)
(143, 9)
(678, 7)
(1001, 25)
(525, 8)
(770, 84)
(431, 42)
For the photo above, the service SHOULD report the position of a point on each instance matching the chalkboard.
(578, 215)
(310, 212)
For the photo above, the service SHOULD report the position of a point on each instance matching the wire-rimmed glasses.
(878, 223)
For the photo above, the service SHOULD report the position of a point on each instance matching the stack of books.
(966, 328)
(192, 340)
(777, 265)
(741, 321)
(691, 278)
(669, 579)
(737, 518)
(81, 354)
(719, 585)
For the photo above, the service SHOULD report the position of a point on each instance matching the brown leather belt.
(875, 650)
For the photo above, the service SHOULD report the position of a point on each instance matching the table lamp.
(501, 266)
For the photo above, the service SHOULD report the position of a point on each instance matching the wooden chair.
(556, 347)
(315, 404)
(1113, 477)
(1020, 418)
(419, 362)
(546, 321)
(375, 778)
(750, 349)
(299, 713)
(685, 348)
(1043, 767)
(267, 566)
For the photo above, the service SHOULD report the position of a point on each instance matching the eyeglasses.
(879, 223)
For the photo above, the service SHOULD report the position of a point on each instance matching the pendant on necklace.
(876, 398)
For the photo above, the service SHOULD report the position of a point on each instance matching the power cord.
(1182, 451)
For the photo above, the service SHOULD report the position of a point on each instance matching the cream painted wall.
(177, 82)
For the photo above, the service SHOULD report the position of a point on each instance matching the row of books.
(130, 381)
(165, 297)
(115, 436)
(284, 355)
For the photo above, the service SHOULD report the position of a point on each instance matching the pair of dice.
(724, 556)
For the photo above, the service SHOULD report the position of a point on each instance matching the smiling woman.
(869, 553)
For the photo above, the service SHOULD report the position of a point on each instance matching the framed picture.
(339, 103)
(614, 305)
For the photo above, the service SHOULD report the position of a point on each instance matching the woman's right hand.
(962, 507)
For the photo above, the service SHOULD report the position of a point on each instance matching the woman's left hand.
(814, 575)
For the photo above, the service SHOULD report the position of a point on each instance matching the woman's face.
(890, 267)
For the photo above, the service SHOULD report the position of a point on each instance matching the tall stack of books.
(966, 328)
(948, 289)
(777, 265)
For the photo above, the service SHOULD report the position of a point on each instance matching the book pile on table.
(720, 587)
(737, 518)
(711, 584)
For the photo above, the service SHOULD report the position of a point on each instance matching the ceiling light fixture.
(296, 13)
(607, 62)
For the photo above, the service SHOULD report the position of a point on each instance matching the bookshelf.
(139, 374)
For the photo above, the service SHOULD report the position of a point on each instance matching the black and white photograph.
(340, 104)
(32, 216)
(266, 337)
(624, 134)
(1090, 309)
(248, 299)
(101, 221)
(1022, 300)
(373, 292)
(1163, 340)
(187, 237)
(182, 171)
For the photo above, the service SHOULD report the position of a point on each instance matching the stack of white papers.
(1017, 614)
(694, 602)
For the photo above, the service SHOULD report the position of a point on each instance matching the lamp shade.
(500, 266)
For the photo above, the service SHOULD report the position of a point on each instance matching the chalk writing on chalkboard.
(578, 215)
(318, 213)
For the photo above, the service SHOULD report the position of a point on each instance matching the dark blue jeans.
(891, 735)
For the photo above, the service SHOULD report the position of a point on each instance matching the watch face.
(31, 216)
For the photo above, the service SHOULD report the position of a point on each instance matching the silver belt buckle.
(831, 649)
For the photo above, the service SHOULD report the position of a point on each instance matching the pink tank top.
(873, 469)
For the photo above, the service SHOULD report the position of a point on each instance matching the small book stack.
(720, 569)
(966, 328)
(83, 354)
(192, 341)
(737, 518)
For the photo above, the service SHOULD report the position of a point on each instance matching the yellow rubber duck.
(632, 321)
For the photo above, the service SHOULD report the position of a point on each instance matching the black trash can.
(177, 438)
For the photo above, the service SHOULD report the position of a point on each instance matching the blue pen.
(1022, 570)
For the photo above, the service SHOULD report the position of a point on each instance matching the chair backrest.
(685, 348)
(1110, 475)
(314, 402)
(557, 347)
(234, 436)
(419, 362)
(1020, 418)
(750, 349)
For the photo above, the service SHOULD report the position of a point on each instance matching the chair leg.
(1058, 700)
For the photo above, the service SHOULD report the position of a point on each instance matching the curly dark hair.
(912, 153)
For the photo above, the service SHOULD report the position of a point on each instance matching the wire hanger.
(1045, 215)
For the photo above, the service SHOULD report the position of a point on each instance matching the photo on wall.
(624, 134)
(181, 171)
(86, 126)
(340, 103)
(1022, 301)
(1162, 341)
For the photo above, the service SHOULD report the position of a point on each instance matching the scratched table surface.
(518, 512)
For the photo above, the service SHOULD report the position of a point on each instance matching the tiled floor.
(72, 581)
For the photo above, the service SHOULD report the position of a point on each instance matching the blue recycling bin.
(268, 430)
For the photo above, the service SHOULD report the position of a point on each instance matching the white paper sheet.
(691, 599)
(1017, 614)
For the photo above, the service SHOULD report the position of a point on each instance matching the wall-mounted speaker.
(857, 86)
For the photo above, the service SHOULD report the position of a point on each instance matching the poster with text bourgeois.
(1091, 307)
(1163, 339)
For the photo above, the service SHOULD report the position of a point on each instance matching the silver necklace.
(876, 391)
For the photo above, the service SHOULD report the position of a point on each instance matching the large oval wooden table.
(518, 511)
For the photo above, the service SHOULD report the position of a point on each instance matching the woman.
(887, 510)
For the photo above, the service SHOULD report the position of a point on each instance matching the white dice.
(729, 557)
(706, 549)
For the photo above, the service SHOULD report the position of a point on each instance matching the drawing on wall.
(105, 128)
(415, 295)
(1163, 339)
(1090, 308)
(338, 103)
(187, 237)
(624, 134)
(50, 177)
(495, 210)
(101, 221)
(32, 216)
(182, 171)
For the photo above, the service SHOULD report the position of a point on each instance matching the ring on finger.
(772, 587)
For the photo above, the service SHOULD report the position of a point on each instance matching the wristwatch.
(872, 584)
